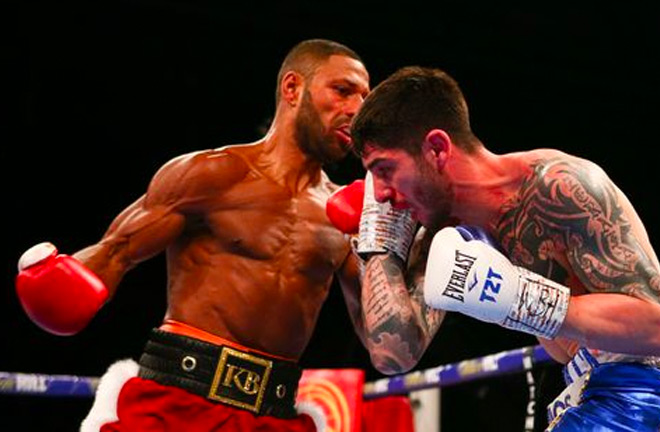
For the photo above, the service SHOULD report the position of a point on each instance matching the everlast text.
(456, 286)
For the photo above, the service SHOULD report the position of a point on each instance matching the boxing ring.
(423, 386)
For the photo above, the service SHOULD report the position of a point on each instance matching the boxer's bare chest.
(265, 221)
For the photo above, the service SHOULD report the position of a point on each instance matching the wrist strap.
(540, 307)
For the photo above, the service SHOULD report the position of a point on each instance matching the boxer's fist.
(472, 277)
(58, 292)
(345, 206)
(383, 228)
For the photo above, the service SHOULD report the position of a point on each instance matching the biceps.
(616, 258)
(141, 232)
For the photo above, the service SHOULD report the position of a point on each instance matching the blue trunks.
(607, 397)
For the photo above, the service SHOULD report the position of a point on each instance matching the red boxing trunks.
(145, 406)
(194, 381)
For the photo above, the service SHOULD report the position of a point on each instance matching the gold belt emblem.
(240, 379)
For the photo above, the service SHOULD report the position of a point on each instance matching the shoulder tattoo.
(574, 206)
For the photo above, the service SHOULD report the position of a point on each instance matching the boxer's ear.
(291, 87)
(437, 147)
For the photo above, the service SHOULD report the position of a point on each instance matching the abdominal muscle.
(248, 302)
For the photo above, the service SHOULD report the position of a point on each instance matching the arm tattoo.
(398, 324)
(386, 292)
(570, 211)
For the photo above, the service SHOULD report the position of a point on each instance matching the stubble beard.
(434, 193)
(309, 133)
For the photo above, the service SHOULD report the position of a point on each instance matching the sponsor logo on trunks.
(455, 288)
(240, 379)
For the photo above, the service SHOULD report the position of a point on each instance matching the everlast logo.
(456, 286)
(245, 380)
(240, 379)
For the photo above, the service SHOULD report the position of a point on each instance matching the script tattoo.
(386, 294)
(399, 325)
(568, 217)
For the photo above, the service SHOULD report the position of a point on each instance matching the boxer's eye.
(343, 90)
(384, 173)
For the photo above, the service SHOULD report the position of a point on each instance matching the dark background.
(97, 95)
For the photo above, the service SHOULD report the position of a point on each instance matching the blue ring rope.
(505, 362)
(502, 363)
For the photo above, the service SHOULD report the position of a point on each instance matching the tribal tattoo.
(567, 222)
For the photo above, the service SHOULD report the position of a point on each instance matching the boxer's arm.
(62, 293)
(388, 311)
(614, 322)
(610, 252)
(139, 232)
(181, 188)
(349, 281)
(399, 326)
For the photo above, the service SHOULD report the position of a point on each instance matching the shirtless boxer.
(571, 261)
(250, 259)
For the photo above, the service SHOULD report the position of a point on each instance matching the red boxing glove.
(58, 292)
(344, 207)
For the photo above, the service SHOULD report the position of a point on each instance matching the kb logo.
(491, 287)
(245, 380)
(240, 379)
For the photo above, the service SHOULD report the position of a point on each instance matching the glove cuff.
(384, 230)
(540, 307)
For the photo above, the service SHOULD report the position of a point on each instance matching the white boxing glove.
(382, 227)
(475, 279)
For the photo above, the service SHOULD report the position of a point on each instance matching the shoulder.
(199, 173)
(225, 164)
(560, 182)
(551, 165)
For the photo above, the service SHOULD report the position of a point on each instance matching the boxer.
(575, 266)
(251, 256)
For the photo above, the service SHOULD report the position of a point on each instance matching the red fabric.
(334, 395)
(391, 413)
(146, 406)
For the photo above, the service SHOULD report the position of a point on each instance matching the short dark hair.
(402, 109)
(306, 56)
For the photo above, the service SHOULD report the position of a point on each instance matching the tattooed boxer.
(538, 241)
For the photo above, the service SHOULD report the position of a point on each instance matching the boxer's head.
(405, 107)
(324, 83)
(405, 132)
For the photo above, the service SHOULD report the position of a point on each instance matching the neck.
(482, 183)
(284, 162)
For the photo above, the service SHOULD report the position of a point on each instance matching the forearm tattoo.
(568, 214)
(398, 324)
(387, 292)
